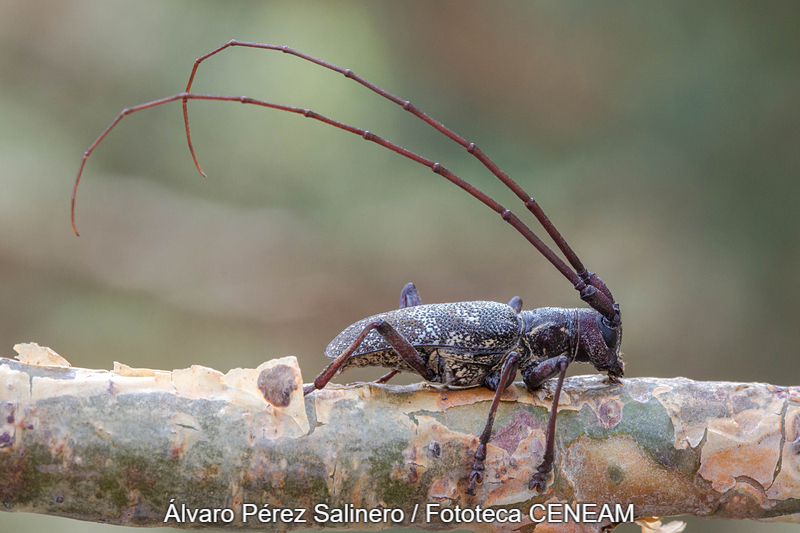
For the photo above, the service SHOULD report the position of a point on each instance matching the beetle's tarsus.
(538, 482)
(474, 478)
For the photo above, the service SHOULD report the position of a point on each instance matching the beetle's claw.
(537, 483)
(475, 477)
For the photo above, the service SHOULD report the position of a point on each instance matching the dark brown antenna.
(591, 287)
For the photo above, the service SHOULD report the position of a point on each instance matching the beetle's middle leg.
(533, 378)
(506, 378)
(398, 343)
(409, 297)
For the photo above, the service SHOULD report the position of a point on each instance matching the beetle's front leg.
(533, 378)
(398, 343)
(506, 378)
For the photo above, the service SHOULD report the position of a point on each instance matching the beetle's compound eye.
(608, 332)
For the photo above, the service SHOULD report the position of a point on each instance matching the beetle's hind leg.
(399, 344)
(506, 378)
(409, 297)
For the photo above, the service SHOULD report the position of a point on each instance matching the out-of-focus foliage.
(662, 139)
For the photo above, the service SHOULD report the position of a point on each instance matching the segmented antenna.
(591, 287)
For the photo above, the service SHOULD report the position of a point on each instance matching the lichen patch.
(618, 470)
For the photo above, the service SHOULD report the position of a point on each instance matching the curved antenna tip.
(188, 132)
(194, 156)
(72, 206)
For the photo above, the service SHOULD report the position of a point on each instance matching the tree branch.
(121, 446)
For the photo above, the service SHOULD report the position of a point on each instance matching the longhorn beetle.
(463, 344)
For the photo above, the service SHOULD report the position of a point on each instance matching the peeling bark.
(120, 446)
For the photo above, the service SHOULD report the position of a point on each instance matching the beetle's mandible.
(463, 344)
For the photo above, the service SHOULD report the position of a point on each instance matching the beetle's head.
(600, 343)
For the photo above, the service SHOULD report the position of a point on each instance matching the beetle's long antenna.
(530, 203)
(588, 279)
(507, 215)
(591, 288)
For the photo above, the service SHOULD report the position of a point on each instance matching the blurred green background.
(662, 140)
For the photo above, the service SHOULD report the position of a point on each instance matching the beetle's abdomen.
(464, 332)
